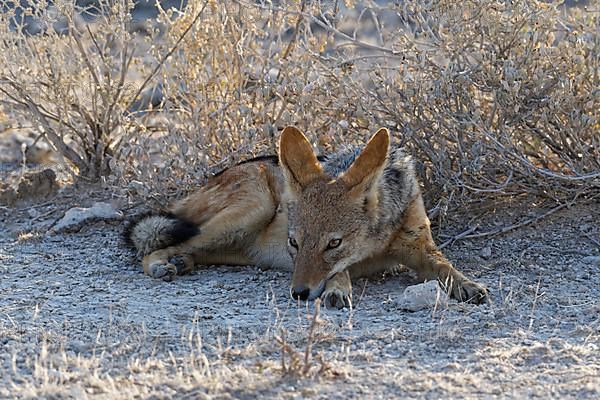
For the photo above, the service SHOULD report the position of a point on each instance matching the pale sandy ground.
(79, 320)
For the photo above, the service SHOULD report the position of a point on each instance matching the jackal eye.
(334, 243)
(293, 242)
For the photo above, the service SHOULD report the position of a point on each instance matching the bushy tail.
(150, 232)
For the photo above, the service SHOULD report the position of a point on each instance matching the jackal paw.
(471, 292)
(166, 272)
(337, 298)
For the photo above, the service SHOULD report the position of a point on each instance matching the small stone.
(486, 252)
(422, 296)
(591, 260)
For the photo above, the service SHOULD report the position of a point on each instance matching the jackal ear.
(297, 159)
(362, 176)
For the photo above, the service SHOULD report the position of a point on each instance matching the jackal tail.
(150, 232)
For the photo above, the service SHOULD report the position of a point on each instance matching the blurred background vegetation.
(493, 98)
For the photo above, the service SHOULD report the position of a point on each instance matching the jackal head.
(330, 219)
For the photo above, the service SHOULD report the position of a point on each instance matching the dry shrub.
(302, 363)
(492, 97)
(495, 97)
(75, 81)
(234, 82)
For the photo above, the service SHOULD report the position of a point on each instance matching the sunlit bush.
(493, 98)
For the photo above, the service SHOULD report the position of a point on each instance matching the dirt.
(78, 319)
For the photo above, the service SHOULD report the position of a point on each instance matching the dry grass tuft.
(303, 363)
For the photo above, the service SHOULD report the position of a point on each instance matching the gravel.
(78, 319)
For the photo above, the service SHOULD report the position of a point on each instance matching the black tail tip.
(182, 230)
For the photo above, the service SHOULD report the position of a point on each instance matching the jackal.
(329, 219)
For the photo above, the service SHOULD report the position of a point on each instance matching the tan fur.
(246, 214)
(304, 168)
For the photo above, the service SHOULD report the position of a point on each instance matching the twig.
(591, 239)
(283, 344)
(56, 140)
(516, 226)
(467, 234)
(535, 299)
(459, 236)
(326, 27)
(499, 188)
(43, 215)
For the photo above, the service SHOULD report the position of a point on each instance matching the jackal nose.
(300, 292)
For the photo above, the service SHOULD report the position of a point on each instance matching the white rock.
(592, 260)
(77, 215)
(422, 296)
(273, 74)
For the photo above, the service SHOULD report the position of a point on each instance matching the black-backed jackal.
(329, 219)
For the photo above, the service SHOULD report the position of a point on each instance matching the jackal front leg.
(429, 263)
(415, 248)
(338, 291)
